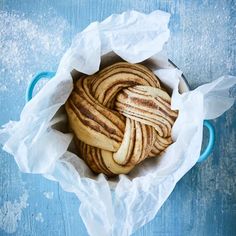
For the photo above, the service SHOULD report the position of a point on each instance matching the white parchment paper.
(38, 146)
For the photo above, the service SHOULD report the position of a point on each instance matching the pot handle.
(50, 74)
(35, 80)
(208, 150)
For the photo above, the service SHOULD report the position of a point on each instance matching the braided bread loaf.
(120, 116)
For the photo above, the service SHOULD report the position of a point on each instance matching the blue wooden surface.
(203, 45)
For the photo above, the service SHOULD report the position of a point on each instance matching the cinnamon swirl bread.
(120, 116)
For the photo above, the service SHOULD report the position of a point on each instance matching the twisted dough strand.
(120, 116)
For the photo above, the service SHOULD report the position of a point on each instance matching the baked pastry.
(120, 116)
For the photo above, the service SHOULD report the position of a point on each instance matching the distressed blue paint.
(204, 201)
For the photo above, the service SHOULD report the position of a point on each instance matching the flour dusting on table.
(39, 217)
(10, 213)
(201, 43)
(28, 46)
(48, 195)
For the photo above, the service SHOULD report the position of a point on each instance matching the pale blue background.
(203, 45)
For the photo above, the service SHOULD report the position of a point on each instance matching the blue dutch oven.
(184, 86)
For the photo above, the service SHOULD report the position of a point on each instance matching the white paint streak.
(10, 213)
